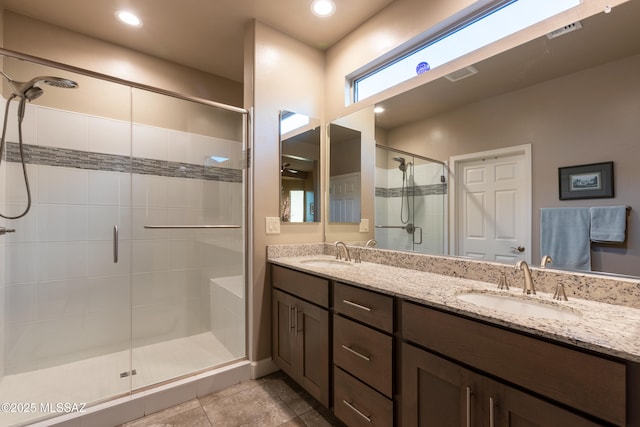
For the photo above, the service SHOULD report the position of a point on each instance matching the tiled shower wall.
(64, 297)
(426, 198)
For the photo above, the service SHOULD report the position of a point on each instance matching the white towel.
(608, 223)
(564, 235)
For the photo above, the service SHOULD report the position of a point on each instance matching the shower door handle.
(414, 236)
(115, 244)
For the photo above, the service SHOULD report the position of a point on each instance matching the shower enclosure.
(410, 202)
(129, 269)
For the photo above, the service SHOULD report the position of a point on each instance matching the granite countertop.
(605, 328)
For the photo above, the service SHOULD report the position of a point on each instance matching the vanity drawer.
(583, 381)
(311, 288)
(358, 405)
(368, 307)
(363, 352)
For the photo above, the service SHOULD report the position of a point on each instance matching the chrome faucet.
(346, 251)
(545, 260)
(528, 287)
(371, 242)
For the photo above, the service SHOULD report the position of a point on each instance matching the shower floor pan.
(94, 379)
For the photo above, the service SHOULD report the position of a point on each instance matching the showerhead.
(57, 82)
(401, 160)
(28, 91)
(25, 89)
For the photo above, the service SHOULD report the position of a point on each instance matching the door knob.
(519, 249)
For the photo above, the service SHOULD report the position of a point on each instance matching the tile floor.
(274, 400)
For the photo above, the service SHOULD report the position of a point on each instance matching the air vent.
(461, 74)
(564, 30)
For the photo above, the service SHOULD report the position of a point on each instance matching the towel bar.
(189, 226)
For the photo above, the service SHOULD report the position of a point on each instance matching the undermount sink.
(520, 306)
(326, 263)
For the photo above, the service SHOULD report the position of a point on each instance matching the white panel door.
(344, 198)
(493, 218)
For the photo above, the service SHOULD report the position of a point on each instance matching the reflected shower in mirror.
(410, 202)
(344, 174)
(299, 168)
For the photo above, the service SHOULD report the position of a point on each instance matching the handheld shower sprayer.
(405, 196)
(26, 91)
(403, 165)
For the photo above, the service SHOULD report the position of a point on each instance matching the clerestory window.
(492, 23)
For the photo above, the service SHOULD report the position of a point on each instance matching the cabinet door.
(436, 392)
(513, 408)
(300, 343)
(311, 331)
(282, 337)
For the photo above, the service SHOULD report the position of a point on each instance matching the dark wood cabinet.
(300, 339)
(363, 356)
(438, 392)
(562, 377)
(377, 360)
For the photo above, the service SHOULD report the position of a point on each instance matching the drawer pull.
(357, 353)
(356, 410)
(356, 305)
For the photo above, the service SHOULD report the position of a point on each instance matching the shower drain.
(125, 374)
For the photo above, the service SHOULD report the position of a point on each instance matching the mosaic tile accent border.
(421, 190)
(61, 157)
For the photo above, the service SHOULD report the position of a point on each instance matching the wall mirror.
(344, 173)
(299, 168)
(573, 97)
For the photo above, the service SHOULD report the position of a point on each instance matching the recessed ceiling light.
(378, 110)
(129, 18)
(323, 8)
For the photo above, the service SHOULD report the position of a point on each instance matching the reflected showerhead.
(403, 166)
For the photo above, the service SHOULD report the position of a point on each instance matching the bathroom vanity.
(395, 346)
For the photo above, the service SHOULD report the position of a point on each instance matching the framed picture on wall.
(592, 181)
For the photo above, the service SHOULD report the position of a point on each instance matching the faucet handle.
(502, 281)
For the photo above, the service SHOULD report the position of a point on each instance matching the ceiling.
(203, 34)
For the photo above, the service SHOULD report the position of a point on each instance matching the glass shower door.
(410, 202)
(65, 322)
(188, 237)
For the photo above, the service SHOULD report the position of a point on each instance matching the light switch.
(364, 225)
(273, 225)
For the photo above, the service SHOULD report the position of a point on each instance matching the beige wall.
(587, 117)
(283, 74)
(37, 38)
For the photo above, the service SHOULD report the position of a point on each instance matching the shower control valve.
(4, 230)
